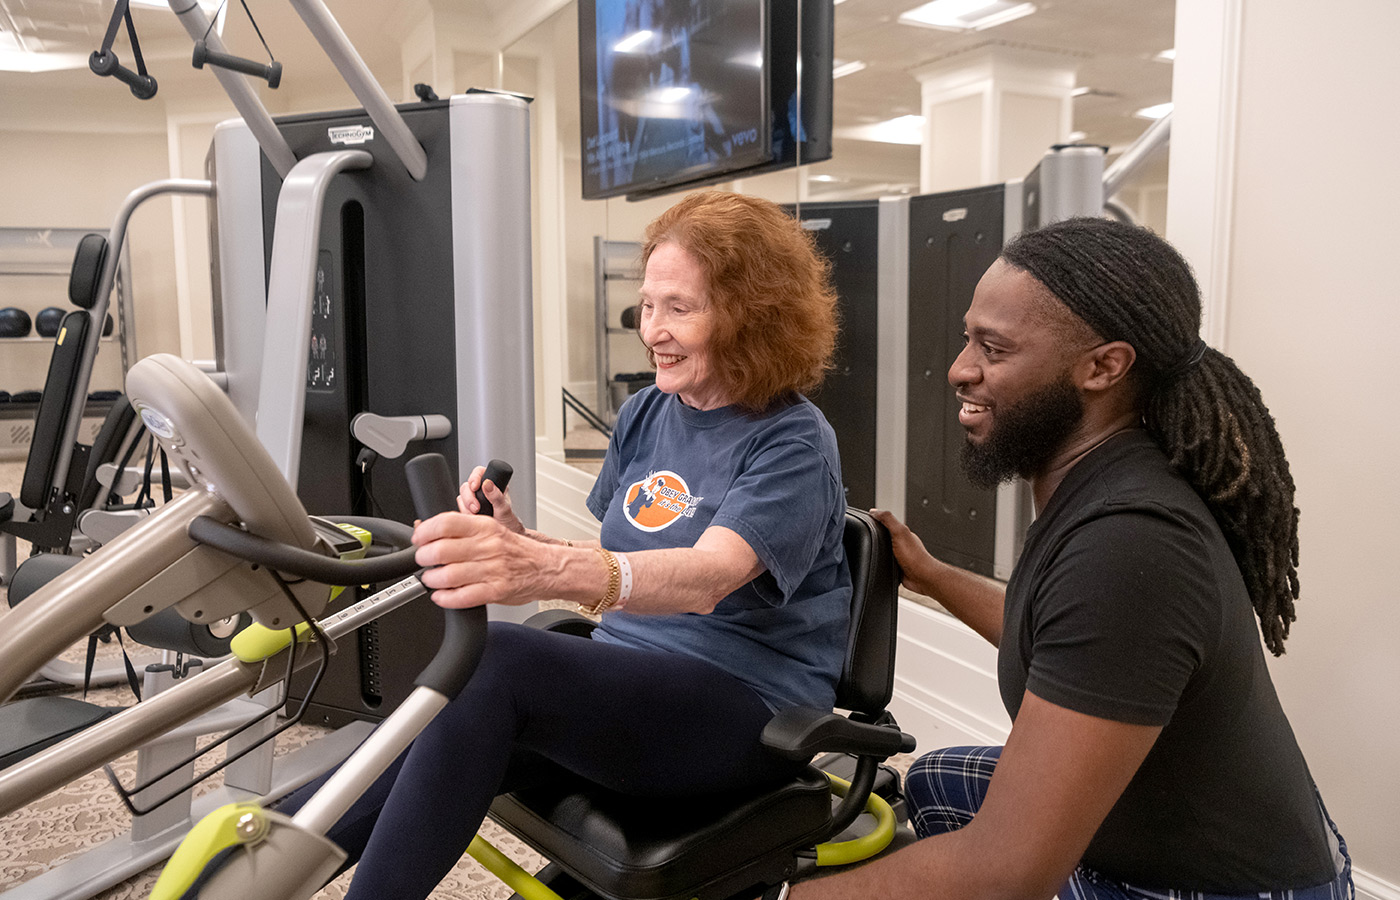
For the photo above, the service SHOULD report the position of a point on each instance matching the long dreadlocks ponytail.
(1130, 285)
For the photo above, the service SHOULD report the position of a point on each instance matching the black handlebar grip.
(143, 87)
(433, 489)
(271, 73)
(499, 473)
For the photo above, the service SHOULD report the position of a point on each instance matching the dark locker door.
(953, 238)
(848, 235)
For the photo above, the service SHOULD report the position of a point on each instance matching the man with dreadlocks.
(1149, 756)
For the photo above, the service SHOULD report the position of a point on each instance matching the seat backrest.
(52, 419)
(86, 275)
(867, 676)
(113, 436)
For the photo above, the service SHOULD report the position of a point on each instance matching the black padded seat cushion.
(37, 723)
(637, 849)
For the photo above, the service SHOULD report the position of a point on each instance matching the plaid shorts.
(945, 788)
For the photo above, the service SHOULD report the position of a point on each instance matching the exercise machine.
(605, 845)
(289, 856)
(394, 245)
(161, 564)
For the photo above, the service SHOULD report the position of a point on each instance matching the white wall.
(73, 178)
(1303, 260)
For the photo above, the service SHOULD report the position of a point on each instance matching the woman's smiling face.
(676, 325)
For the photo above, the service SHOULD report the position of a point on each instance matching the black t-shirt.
(1127, 605)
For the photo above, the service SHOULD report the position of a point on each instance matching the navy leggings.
(541, 705)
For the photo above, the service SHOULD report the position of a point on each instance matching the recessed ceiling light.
(1154, 112)
(1077, 136)
(966, 15)
(842, 68)
(899, 130)
(208, 5)
(1168, 55)
(1081, 91)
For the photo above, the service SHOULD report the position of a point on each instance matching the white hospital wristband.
(625, 590)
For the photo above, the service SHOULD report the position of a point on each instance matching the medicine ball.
(107, 326)
(25, 397)
(48, 320)
(629, 317)
(14, 322)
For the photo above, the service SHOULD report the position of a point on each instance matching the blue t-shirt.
(774, 479)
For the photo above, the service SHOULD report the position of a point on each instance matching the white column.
(990, 115)
(1201, 183)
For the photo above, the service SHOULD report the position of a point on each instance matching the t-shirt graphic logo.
(658, 500)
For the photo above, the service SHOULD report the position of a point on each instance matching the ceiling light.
(209, 6)
(966, 15)
(1168, 55)
(1154, 112)
(632, 42)
(900, 130)
(841, 68)
(1077, 136)
(1081, 91)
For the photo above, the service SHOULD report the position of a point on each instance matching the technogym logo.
(350, 134)
(659, 500)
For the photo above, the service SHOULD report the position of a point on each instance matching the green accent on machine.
(258, 642)
(525, 885)
(228, 826)
(867, 845)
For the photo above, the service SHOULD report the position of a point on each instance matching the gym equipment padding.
(55, 718)
(86, 274)
(53, 414)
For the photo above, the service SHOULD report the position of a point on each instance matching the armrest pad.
(564, 620)
(800, 733)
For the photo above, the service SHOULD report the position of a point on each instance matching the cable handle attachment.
(270, 72)
(143, 87)
(104, 62)
(434, 490)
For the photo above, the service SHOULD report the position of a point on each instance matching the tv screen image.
(679, 89)
(676, 93)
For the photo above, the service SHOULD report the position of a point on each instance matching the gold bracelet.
(614, 585)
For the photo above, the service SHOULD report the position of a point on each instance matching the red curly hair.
(775, 321)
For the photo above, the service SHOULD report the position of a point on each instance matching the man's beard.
(1025, 436)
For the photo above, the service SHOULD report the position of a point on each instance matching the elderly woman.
(720, 575)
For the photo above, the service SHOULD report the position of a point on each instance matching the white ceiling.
(1111, 43)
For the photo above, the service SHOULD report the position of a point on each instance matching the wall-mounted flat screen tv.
(679, 93)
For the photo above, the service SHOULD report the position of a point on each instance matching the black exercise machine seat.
(623, 848)
(52, 418)
(44, 513)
